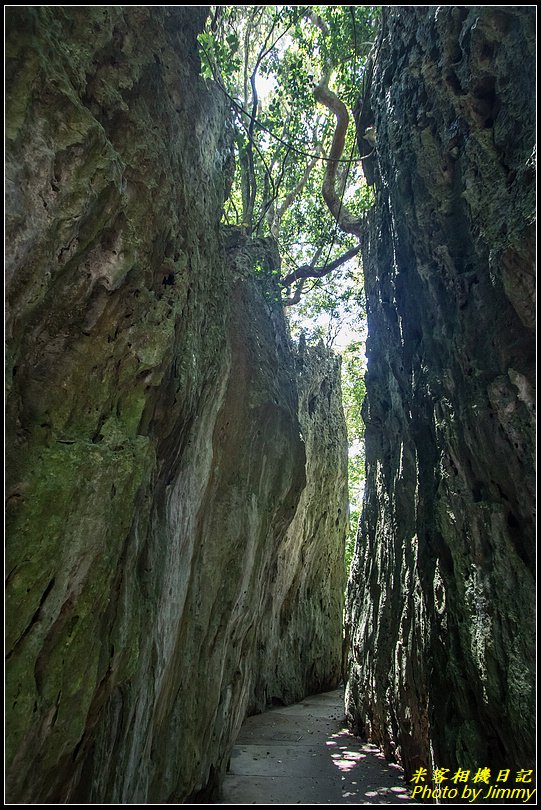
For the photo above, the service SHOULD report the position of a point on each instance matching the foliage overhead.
(291, 74)
(270, 61)
(353, 393)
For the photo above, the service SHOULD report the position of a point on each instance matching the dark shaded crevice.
(37, 616)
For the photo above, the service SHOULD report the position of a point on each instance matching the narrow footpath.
(304, 754)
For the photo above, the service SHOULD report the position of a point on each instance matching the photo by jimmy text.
(471, 787)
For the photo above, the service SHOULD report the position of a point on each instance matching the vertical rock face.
(301, 650)
(441, 599)
(156, 462)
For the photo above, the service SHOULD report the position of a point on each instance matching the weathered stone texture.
(155, 456)
(441, 594)
(301, 649)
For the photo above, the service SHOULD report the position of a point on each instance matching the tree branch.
(266, 205)
(309, 271)
(331, 195)
(296, 297)
(294, 193)
(343, 217)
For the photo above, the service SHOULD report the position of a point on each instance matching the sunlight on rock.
(352, 757)
(393, 792)
(346, 760)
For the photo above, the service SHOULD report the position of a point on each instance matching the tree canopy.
(292, 74)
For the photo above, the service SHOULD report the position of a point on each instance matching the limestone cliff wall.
(156, 459)
(301, 649)
(441, 595)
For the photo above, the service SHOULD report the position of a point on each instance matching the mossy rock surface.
(155, 459)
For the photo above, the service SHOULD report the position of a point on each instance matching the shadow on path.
(304, 754)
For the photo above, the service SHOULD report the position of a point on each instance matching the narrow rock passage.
(304, 754)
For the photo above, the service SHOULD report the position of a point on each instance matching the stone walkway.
(304, 754)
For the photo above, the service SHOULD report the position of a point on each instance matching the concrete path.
(304, 754)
